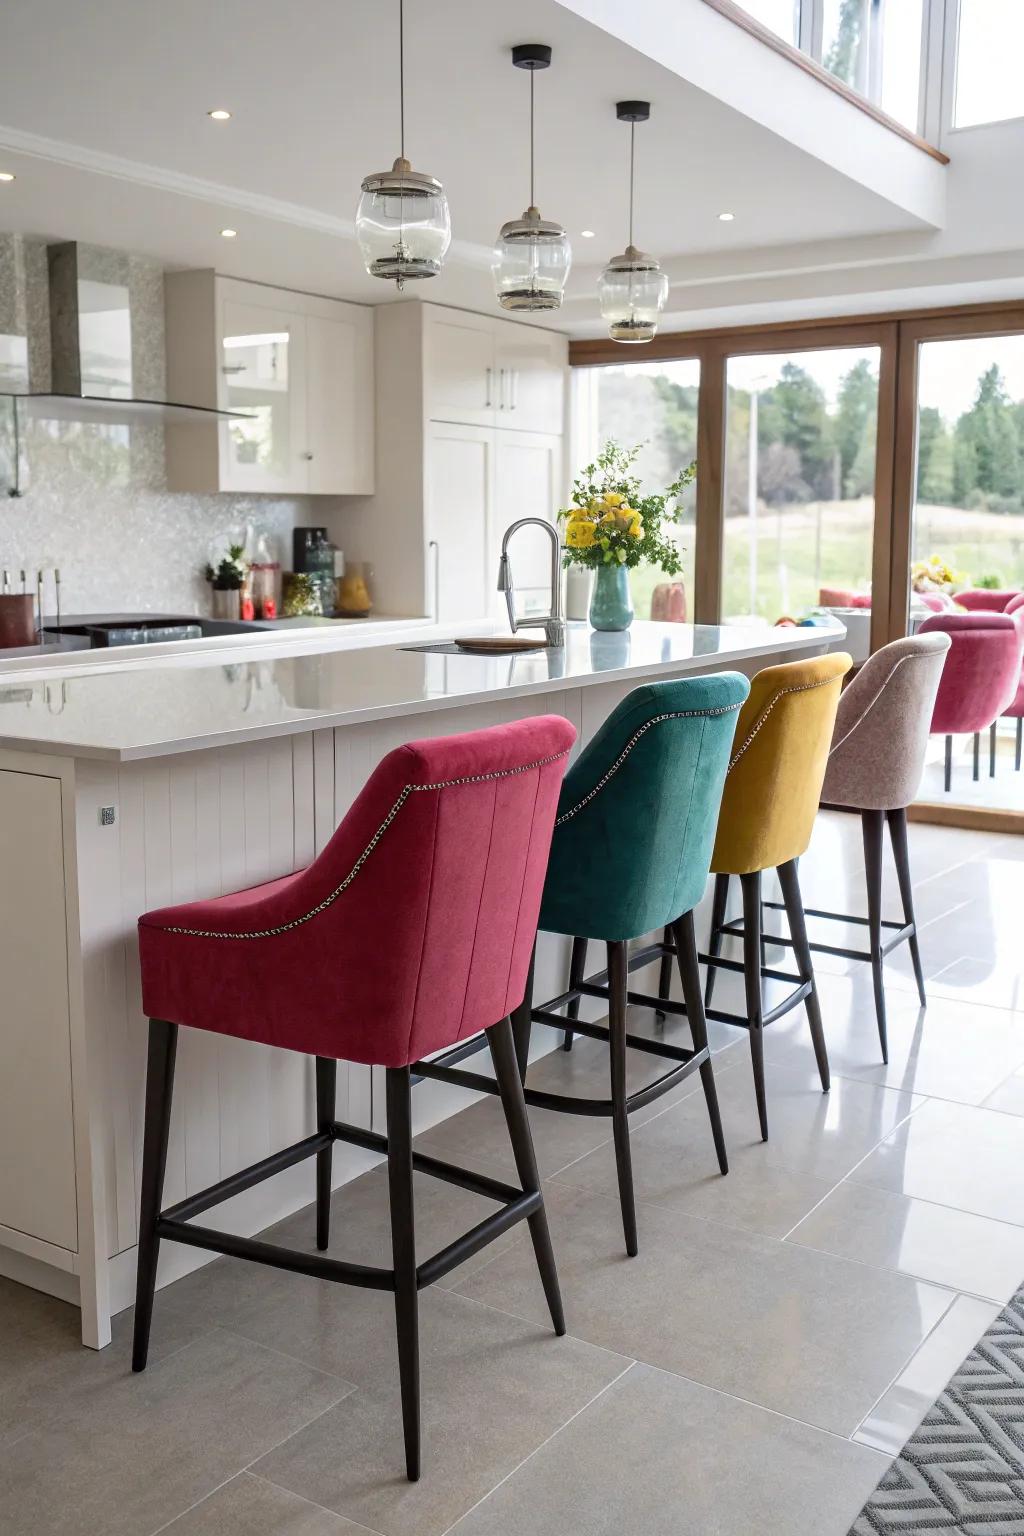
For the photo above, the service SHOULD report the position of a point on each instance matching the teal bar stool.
(630, 855)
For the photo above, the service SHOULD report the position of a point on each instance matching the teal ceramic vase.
(611, 607)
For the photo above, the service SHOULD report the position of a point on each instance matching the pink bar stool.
(980, 678)
(413, 930)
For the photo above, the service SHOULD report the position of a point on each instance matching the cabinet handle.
(234, 367)
(515, 389)
(490, 375)
(501, 379)
(435, 547)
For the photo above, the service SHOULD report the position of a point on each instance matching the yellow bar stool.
(772, 790)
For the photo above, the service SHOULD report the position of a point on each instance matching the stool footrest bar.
(277, 1258)
(525, 1205)
(537, 1099)
(465, 1178)
(245, 1178)
(600, 1031)
(835, 917)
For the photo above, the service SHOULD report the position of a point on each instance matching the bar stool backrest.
(777, 764)
(982, 669)
(414, 927)
(637, 813)
(882, 726)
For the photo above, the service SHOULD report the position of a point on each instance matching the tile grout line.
(607, 1388)
(266, 1481)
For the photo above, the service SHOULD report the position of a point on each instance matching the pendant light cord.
(401, 74)
(632, 170)
(533, 74)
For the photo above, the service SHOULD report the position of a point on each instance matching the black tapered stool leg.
(751, 886)
(617, 984)
(163, 1045)
(665, 971)
(872, 824)
(403, 1247)
(789, 879)
(976, 775)
(1019, 743)
(326, 1096)
(689, 975)
(506, 1071)
(719, 903)
(522, 1020)
(901, 853)
(577, 970)
(949, 764)
(992, 750)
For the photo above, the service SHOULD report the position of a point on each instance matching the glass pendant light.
(632, 289)
(532, 256)
(402, 222)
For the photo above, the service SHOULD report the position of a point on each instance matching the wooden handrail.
(741, 18)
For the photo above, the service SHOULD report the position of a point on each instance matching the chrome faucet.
(553, 622)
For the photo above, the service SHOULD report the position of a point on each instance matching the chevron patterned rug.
(963, 1469)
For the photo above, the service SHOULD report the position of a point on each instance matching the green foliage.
(841, 58)
(611, 521)
(991, 583)
(979, 464)
(229, 573)
(856, 429)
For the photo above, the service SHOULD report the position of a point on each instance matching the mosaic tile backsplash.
(95, 501)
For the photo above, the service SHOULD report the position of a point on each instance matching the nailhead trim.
(679, 714)
(409, 789)
(801, 688)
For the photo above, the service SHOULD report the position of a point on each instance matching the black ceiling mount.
(531, 56)
(632, 111)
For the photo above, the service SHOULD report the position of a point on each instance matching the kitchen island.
(146, 782)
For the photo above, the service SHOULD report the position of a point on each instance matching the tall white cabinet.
(470, 418)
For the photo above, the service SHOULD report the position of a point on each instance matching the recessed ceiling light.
(726, 218)
(7, 176)
(219, 114)
(229, 234)
(588, 234)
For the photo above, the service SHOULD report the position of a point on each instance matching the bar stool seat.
(413, 930)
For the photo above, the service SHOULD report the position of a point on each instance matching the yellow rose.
(595, 508)
(636, 526)
(625, 510)
(609, 517)
(613, 499)
(580, 533)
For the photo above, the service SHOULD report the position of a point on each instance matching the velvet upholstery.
(982, 671)
(1016, 603)
(778, 763)
(882, 726)
(412, 930)
(637, 813)
(985, 599)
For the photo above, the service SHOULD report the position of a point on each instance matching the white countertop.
(153, 706)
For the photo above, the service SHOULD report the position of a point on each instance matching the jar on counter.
(301, 596)
(355, 590)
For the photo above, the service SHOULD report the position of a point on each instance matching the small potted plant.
(613, 527)
(227, 578)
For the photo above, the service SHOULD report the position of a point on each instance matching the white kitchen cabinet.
(300, 367)
(38, 1198)
(460, 478)
(492, 373)
(527, 483)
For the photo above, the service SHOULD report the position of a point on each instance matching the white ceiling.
(103, 115)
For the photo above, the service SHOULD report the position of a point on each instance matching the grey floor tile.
(1009, 1096)
(900, 1410)
(661, 1456)
(806, 1334)
(139, 1450)
(815, 1140)
(933, 1242)
(494, 1388)
(250, 1506)
(954, 1154)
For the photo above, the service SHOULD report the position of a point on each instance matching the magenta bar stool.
(980, 678)
(413, 930)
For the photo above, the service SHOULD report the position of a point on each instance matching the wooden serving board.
(499, 643)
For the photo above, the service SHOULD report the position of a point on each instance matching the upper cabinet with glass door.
(299, 368)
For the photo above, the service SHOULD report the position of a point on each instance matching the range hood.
(91, 347)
